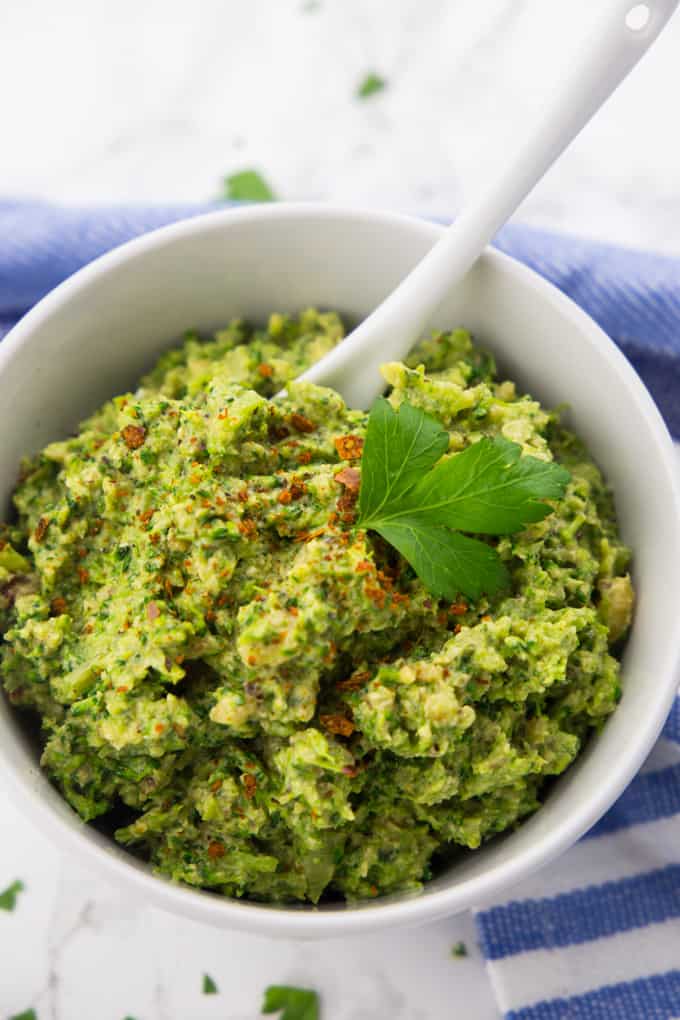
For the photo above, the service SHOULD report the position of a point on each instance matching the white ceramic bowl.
(100, 330)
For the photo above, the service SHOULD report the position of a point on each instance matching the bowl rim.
(407, 909)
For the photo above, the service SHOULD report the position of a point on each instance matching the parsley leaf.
(28, 1014)
(459, 950)
(294, 1003)
(209, 986)
(8, 897)
(419, 500)
(371, 84)
(248, 186)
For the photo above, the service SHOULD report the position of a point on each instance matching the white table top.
(156, 102)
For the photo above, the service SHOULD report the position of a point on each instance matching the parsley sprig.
(420, 501)
(294, 1003)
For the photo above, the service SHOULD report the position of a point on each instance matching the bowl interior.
(100, 331)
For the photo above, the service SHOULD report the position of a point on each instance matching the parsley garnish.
(371, 84)
(420, 501)
(209, 986)
(28, 1014)
(248, 186)
(8, 897)
(459, 950)
(294, 1003)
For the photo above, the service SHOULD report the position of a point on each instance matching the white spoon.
(623, 33)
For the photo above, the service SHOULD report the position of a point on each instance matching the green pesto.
(265, 699)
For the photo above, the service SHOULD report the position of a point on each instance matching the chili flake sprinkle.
(350, 477)
(41, 529)
(339, 725)
(249, 785)
(302, 424)
(349, 447)
(134, 436)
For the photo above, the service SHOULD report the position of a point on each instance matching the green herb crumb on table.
(28, 1014)
(370, 85)
(9, 896)
(209, 986)
(292, 1003)
(459, 950)
(248, 186)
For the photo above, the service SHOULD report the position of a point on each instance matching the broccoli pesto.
(262, 698)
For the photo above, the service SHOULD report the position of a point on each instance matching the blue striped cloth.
(596, 936)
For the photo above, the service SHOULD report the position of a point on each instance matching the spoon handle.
(622, 34)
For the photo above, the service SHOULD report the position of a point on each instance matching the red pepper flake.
(249, 785)
(122, 689)
(252, 661)
(88, 628)
(247, 527)
(155, 537)
(83, 575)
(41, 528)
(458, 608)
(159, 727)
(307, 536)
(302, 424)
(297, 488)
(146, 515)
(210, 615)
(337, 724)
(364, 566)
(223, 415)
(195, 479)
(376, 595)
(349, 447)
(284, 497)
(293, 610)
(305, 457)
(217, 785)
(58, 605)
(134, 436)
(349, 477)
(265, 370)
(278, 431)
(152, 611)
(354, 682)
(457, 629)
(486, 619)
(373, 890)
(242, 496)
(215, 850)
(167, 585)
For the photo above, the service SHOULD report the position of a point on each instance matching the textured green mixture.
(259, 698)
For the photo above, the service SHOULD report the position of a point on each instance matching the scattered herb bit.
(371, 84)
(28, 1014)
(8, 897)
(209, 986)
(248, 186)
(294, 1003)
(420, 502)
(459, 950)
(310, 6)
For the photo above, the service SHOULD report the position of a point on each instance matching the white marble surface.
(159, 100)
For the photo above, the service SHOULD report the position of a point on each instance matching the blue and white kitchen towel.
(596, 936)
